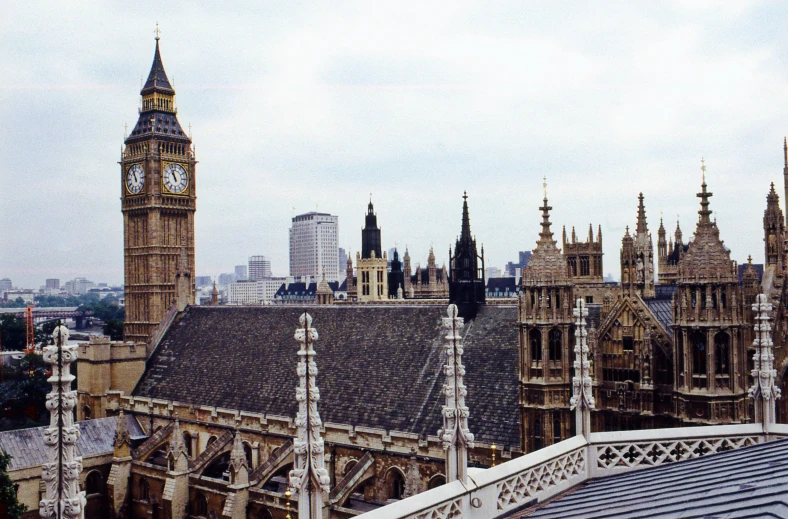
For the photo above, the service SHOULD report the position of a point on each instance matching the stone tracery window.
(535, 339)
(555, 344)
(722, 354)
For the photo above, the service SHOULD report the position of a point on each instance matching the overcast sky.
(319, 104)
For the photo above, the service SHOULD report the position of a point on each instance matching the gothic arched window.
(556, 430)
(200, 505)
(698, 340)
(722, 354)
(535, 339)
(144, 489)
(537, 435)
(395, 483)
(555, 344)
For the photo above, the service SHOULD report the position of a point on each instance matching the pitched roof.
(27, 449)
(747, 482)
(379, 366)
(157, 78)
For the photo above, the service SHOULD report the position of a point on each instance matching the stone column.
(61, 472)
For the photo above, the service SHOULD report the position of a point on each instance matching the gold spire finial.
(288, 494)
(125, 130)
(544, 186)
(157, 31)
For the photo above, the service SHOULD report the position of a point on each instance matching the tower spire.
(157, 78)
(704, 196)
(465, 234)
(642, 225)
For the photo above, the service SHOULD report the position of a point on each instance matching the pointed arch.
(722, 353)
(554, 350)
(535, 342)
(395, 483)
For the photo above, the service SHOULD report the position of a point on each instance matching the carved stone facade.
(670, 254)
(429, 283)
(158, 200)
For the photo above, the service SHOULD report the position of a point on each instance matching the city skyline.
(305, 106)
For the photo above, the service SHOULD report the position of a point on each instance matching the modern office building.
(259, 268)
(241, 272)
(313, 245)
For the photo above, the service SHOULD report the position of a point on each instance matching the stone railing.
(536, 477)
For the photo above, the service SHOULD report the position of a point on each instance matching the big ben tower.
(158, 200)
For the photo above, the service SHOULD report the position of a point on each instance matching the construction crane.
(30, 343)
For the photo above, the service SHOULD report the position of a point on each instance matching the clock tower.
(158, 200)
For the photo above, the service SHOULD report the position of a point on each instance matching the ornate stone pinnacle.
(309, 475)
(455, 434)
(61, 471)
(764, 390)
(582, 400)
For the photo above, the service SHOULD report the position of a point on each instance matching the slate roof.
(662, 309)
(503, 285)
(379, 366)
(747, 482)
(157, 79)
(26, 446)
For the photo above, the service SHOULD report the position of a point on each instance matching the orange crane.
(31, 344)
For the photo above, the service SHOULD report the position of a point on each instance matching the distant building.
(27, 296)
(241, 272)
(203, 281)
(78, 286)
(492, 272)
(250, 292)
(5, 284)
(502, 287)
(514, 269)
(313, 245)
(52, 284)
(342, 262)
(259, 268)
(226, 278)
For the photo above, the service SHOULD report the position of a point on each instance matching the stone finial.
(122, 441)
(764, 390)
(455, 434)
(60, 473)
(309, 476)
(582, 400)
(239, 467)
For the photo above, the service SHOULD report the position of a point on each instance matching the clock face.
(135, 179)
(175, 178)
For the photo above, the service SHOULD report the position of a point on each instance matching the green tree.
(13, 333)
(114, 329)
(9, 504)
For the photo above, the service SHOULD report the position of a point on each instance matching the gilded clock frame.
(164, 188)
(126, 176)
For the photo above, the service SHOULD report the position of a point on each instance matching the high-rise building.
(342, 262)
(241, 273)
(52, 284)
(227, 278)
(259, 268)
(78, 286)
(313, 245)
(158, 201)
(5, 284)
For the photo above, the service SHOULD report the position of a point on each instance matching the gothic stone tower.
(545, 335)
(710, 330)
(773, 231)
(637, 257)
(584, 259)
(158, 201)
(372, 267)
(466, 279)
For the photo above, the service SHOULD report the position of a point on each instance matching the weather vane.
(157, 31)
(544, 185)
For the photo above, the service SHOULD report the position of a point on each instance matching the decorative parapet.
(541, 475)
(341, 434)
(60, 473)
